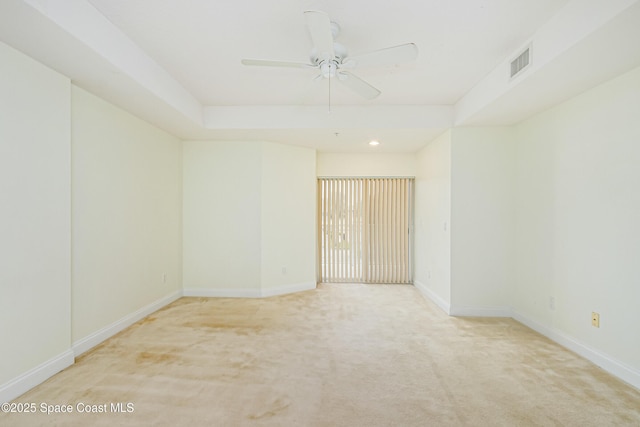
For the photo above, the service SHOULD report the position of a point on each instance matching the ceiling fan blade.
(358, 85)
(381, 57)
(319, 26)
(286, 64)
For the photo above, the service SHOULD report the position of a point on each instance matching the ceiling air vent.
(521, 62)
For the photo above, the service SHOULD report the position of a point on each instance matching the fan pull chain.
(329, 94)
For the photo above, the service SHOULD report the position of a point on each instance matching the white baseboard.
(249, 293)
(431, 296)
(35, 376)
(288, 289)
(108, 331)
(470, 311)
(222, 293)
(608, 363)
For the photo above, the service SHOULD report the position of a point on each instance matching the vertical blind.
(364, 229)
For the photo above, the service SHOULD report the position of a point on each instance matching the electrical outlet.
(284, 270)
(595, 319)
(164, 277)
(552, 303)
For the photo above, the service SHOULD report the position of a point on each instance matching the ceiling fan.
(331, 59)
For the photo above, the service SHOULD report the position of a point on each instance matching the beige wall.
(91, 232)
(126, 206)
(35, 283)
(367, 164)
(249, 218)
(432, 240)
(221, 209)
(578, 233)
(482, 220)
(288, 226)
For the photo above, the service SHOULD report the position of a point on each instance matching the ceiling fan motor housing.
(328, 69)
(339, 50)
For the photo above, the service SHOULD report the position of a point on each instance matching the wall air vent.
(521, 62)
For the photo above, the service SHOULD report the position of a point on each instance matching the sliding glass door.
(364, 229)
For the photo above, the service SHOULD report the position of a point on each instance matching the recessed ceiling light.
(374, 143)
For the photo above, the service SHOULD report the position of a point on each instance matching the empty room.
(320, 213)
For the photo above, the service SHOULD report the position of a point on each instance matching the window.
(365, 229)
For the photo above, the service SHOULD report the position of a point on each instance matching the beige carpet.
(342, 355)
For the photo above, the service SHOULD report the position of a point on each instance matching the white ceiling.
(201, 43)
(176, 63)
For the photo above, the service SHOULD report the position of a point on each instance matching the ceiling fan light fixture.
(374, 143)
(328, 69)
